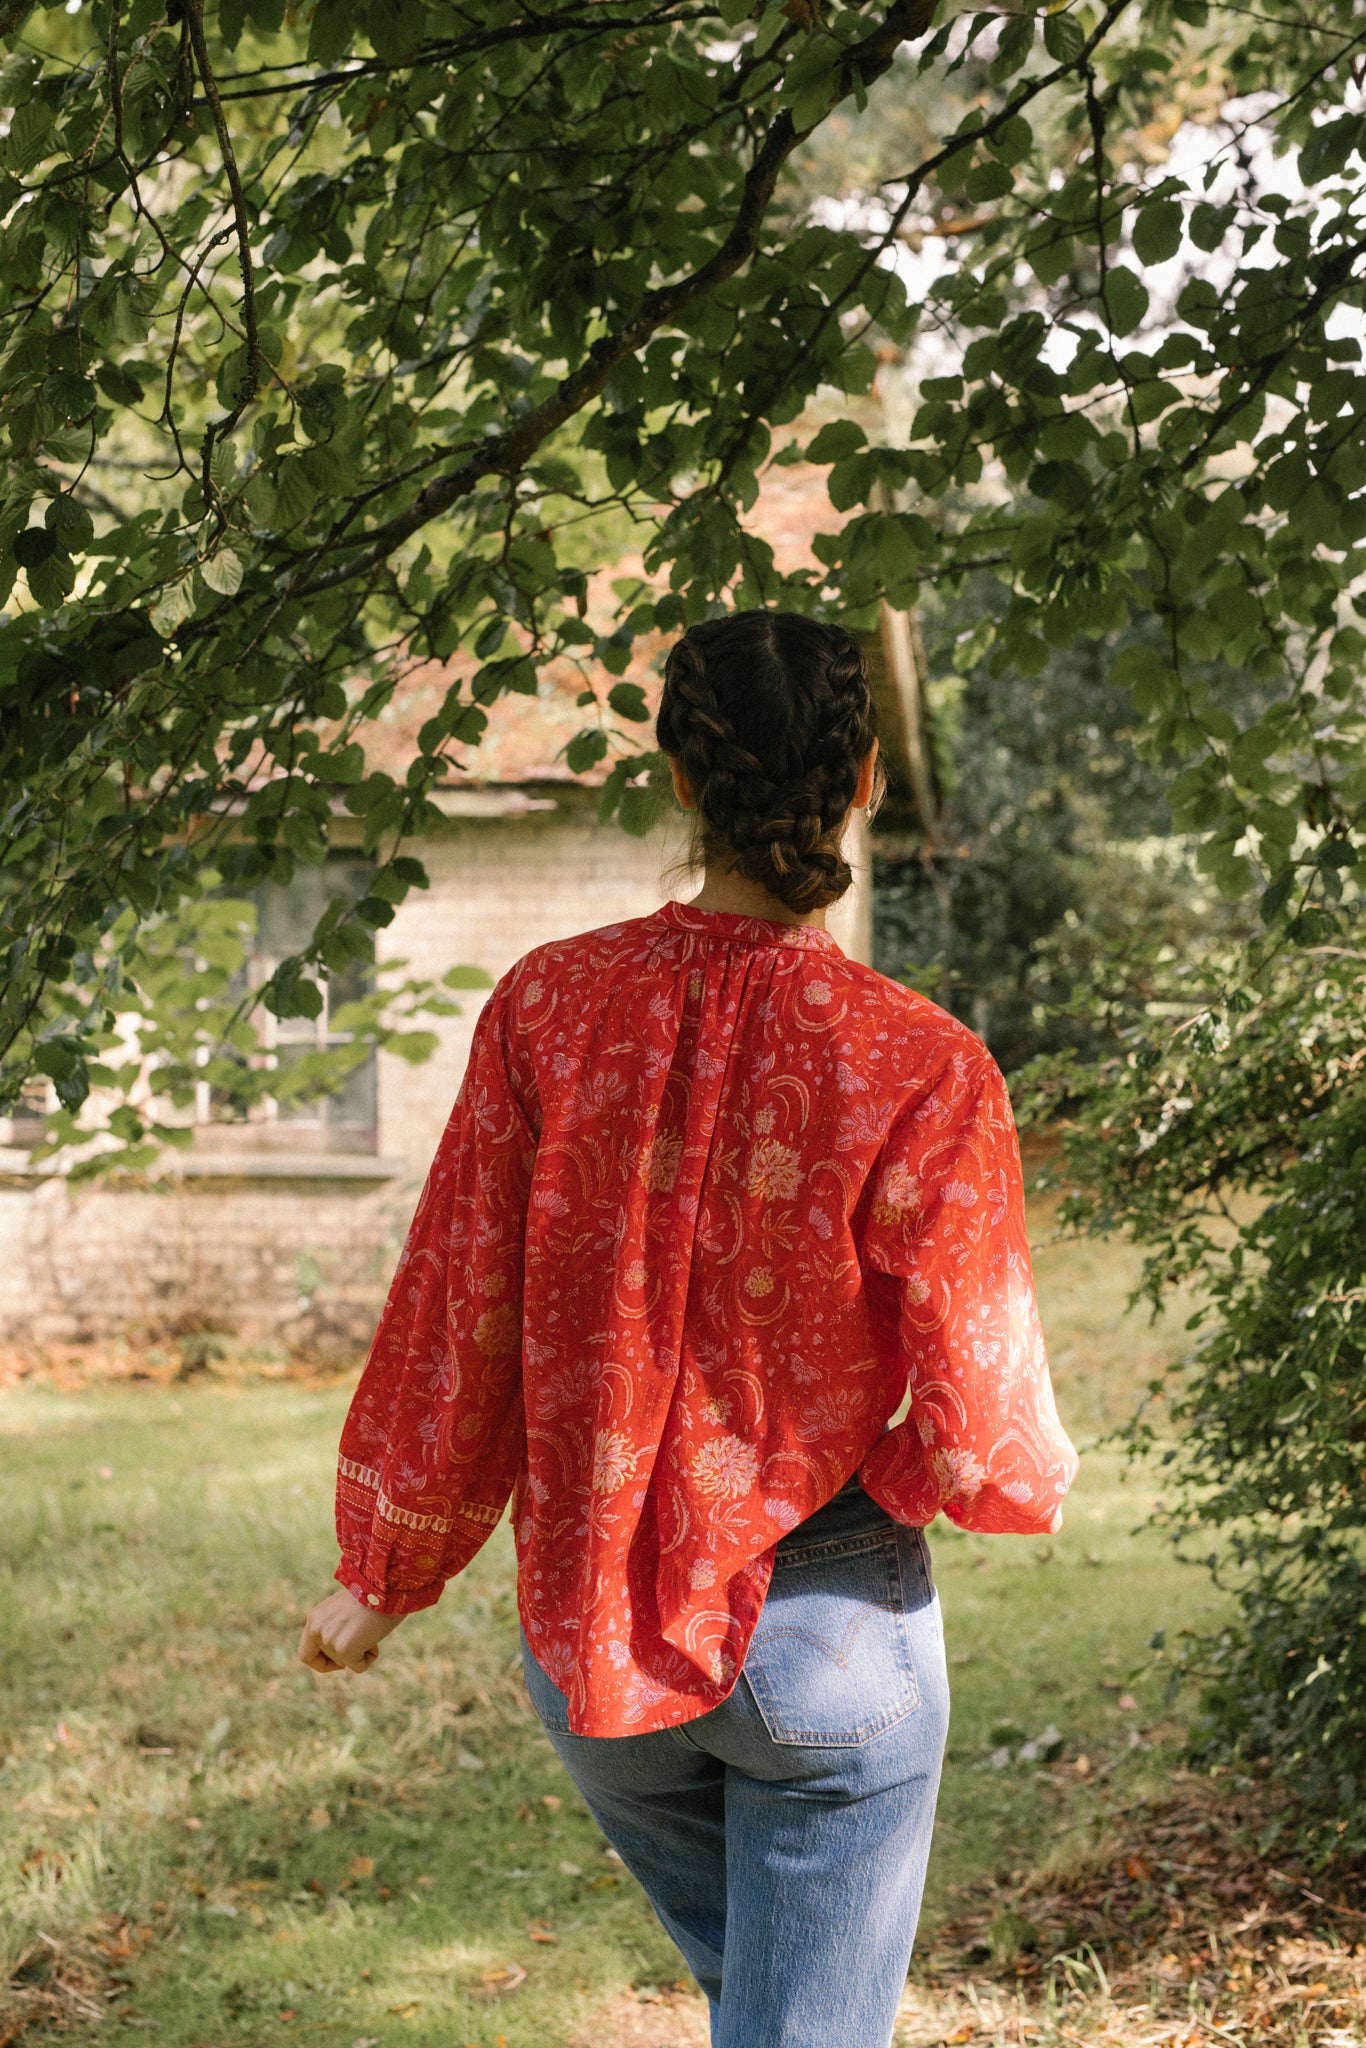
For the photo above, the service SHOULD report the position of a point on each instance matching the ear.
(682, 786)
(863, 794)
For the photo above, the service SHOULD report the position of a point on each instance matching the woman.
(715, 1203)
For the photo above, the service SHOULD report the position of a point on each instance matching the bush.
(1235, 1149)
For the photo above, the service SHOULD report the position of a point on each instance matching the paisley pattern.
(712, 1201)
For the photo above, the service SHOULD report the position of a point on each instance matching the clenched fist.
(343, 1634)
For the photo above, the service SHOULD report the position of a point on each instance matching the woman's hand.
(343, 1634)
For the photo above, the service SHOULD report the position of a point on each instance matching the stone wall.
(294, 1248)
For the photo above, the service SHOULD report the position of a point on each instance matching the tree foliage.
(326, 329)
(1054, 853)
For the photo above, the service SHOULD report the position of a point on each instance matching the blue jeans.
(782, 1838)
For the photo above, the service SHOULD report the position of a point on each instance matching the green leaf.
(1063, 38)
(1275, 898)
(173, 607)
(836, 439)
(68, 519)
(1157, 231)
(330, 34)
(66, 1067)
(343, 764)
(52, 581)
(34, 546)
(27, 140)
(374, 912)
(1016, 42)
(988, 181)
(1049, 254)
(295, 494)
(628, 701)
(118, 384)
(71, 397)
(291, 992)
(1013, 141)
(1126, 300)
(466, 977)
(222, 572)
(585, 750)
(1210, 224)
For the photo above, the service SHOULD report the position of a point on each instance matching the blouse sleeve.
(433, 1441)
(946, 1265)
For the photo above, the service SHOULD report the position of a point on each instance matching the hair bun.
(771, 716)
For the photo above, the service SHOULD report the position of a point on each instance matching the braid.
(770, 716)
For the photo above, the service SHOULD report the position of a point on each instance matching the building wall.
(293, 1248)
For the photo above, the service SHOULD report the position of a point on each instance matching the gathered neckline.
(738, 929)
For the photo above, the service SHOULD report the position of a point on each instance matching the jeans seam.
(834, 1546)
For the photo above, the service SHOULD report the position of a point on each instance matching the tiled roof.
(526, 736)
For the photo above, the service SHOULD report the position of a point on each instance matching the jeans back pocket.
(830, 1663)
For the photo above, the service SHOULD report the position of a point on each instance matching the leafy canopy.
(329, 332)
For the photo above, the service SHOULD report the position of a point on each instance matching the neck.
(725, 889)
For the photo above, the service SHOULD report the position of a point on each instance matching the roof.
(527, 736)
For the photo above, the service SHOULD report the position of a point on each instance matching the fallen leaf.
(363, 1866)
(425, 1882)
(506, 1979)
(1082, 1766)
(1138, 1867)
(551, 1801)
(192, 1823)
(318, 1818)
(1126, 1703)
(571, 1869)
(291, 2012)
(407, 2009)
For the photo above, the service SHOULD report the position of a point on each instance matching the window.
(344, 1121)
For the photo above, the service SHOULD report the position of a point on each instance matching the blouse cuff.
(387, 1601)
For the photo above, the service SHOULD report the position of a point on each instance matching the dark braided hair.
(770, 716)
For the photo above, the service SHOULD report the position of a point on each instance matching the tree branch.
(506, 453)
(452, 48)
(218, 429)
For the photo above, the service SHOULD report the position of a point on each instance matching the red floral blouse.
(713, 1201)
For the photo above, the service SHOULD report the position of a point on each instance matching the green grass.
(363, 1854)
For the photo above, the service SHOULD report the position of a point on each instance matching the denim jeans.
(782, 1838)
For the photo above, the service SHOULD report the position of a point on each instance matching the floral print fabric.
(713, 1204)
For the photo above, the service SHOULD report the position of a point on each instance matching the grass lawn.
(244, 1853)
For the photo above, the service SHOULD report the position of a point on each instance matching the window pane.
(355, 1104)
(287, 917)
